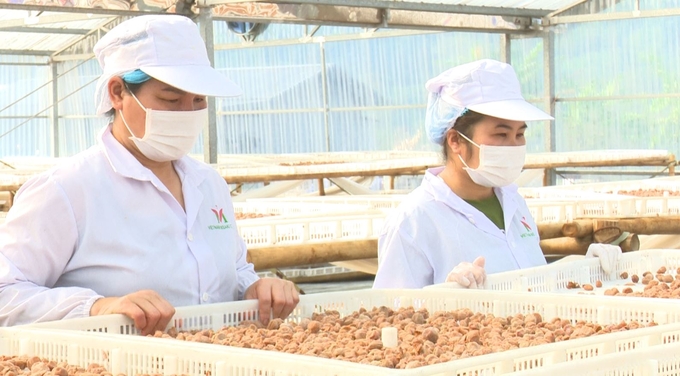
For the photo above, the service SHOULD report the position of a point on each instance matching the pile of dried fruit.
(35, 366)
(648, 193)
(240, 216)
(423, 338)
(663, 284)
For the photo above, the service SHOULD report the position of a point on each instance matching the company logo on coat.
(529, 231)
(222, 222)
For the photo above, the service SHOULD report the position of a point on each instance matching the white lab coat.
(433, 230)
(101, 224)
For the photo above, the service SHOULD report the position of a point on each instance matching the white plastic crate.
(308, 272)
(123, 354)
(662, 205)
(554, 205)
(661, 360)
(294, 208)
(272, 231)
(604, 311)
(372, 201)
(553, 278)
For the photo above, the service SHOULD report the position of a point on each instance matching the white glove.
(470, 275)
(608, 254)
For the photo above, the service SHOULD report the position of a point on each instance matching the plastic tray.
(264, 232)
(604, 311)
(658, 360)
(553, 278)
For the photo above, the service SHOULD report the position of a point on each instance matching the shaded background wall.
(376, 92)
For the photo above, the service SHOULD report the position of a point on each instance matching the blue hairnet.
(136, 77)
(440, 117)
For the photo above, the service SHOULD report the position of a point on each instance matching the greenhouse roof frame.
(47, 29)
(61, 30)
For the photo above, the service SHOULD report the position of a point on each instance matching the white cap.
(168, 48)
(488, 87)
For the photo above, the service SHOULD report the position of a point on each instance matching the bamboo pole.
(579, 246)
(645, 225)
(578, 228)
(566, 246)
(307, 254)
(550, 230)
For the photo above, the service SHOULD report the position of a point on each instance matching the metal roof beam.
(614, 16)
(43, 30)
(26, 52)
(412, 5)
(583, 7)
(375, 18)
(77, 10)
(51, 19)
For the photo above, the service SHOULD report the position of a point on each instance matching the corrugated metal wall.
(376, 90)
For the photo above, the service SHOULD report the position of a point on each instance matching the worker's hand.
(608, 254)
(146, 308)
(277, 298)
(470, 275)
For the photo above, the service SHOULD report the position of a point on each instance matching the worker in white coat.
(467, 219)
(133, 225)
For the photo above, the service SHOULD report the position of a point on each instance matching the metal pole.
(506, 49)
(55, 109)
(549, 98)
(206, 26)
(324, 90)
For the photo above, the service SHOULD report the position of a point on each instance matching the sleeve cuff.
(83, 310)
(245, 281)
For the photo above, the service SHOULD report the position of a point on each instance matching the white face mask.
(498, 165)
(168, 135)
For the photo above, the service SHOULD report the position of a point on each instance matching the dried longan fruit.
(588, 287)
(612, 291)
(661, 270)
(635, 278)
(668, 278)
(627, 290)
(572, 285)
(646, 273)
(624, 275)
(598, 283)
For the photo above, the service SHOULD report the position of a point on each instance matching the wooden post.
(322, 190)
(671, 165)
(391, 180)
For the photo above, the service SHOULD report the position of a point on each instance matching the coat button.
(205, 296)
(190, 237)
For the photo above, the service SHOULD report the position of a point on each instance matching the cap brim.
(195, 79)
(515, 109)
